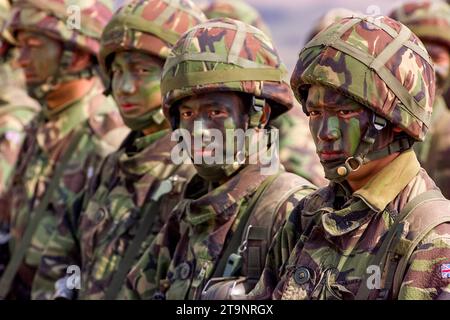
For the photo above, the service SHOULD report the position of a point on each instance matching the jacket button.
(302, 275)
(101, 214)
(184, 271)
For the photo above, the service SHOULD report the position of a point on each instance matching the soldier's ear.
(80, 60)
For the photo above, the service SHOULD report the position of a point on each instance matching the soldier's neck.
(69, 92)
(360, 178)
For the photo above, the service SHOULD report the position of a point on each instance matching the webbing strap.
(19, 253)
(395, 232)
(146, 26)
(148, 216)
(238, 42)
(378, 63)
(233, 75)
(391, 49)
(236, 238)
(411, 105)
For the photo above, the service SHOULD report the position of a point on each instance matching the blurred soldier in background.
(430, 21)
(76, 128)
(123, 208)
(297, 150)
(17, 109)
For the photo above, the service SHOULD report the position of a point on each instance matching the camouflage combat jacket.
(185, 253)
(46, 141)
(328, 258)
(17, 109)
(110, 214)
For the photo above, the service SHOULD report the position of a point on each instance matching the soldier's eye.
(345, 112)
(186, 114)
(314, 113)
(216, 112)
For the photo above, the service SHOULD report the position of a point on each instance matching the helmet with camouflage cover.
(77, 24)
(238, 10)
(379, 63)
(226, 55)
(328, 18)
(429, 20)
(58, 19)
(151, 26)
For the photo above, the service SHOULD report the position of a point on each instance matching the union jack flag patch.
(445, 271)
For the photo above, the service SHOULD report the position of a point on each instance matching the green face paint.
(39, 56)
(337, 124)
(224, 112)
(136, 89)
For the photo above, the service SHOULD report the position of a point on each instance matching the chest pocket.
(107, 222)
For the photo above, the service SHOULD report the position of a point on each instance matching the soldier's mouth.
(331, 156)
(129, 106)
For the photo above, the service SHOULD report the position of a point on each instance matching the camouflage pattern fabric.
(360, 58)
(429, 20)
(348, 231)
(17, 109)
(44, 145)
(106, 216)
(297, 155)
(216, 56)
(184, 254)
(55, 19)
(109, 215)
(152, 27)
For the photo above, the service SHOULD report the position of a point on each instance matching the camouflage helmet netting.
(226, 55)
(379, 63)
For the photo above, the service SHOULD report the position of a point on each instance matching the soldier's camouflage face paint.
(39, 57)
(441, 58)
(224, 112)
(337, 124)
(136, 87)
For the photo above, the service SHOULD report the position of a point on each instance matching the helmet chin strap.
(364, 153)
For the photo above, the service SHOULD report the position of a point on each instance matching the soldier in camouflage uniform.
(17, 109)
(430, 21)
(297, 155)
(77, 127)
(224, 75)
(134, 46)
(380, 229)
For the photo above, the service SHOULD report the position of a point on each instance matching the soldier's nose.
(329, 129)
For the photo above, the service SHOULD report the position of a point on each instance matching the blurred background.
(291, 21)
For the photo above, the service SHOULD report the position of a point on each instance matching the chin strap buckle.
(256, 112)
